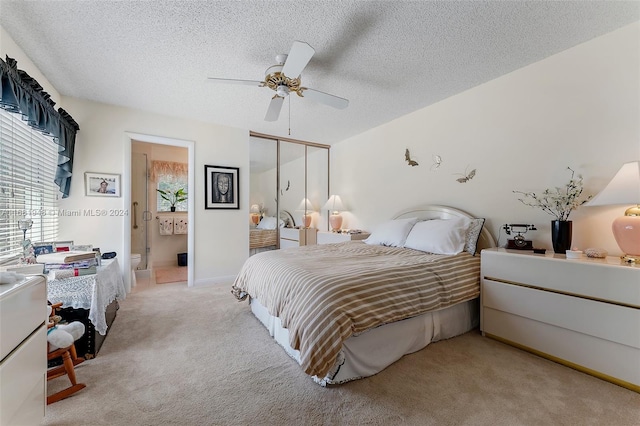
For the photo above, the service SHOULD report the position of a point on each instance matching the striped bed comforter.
(325, 293)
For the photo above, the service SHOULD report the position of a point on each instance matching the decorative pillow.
(267, 222)
(392, 233)
(473, 234)
(439, 236)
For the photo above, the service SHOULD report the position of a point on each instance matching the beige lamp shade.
(335, 206)
(624, 189)
(306, 207)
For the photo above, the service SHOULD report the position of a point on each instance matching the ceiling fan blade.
(235, 81)
(274, 109)
(325, 98)
(298, 58)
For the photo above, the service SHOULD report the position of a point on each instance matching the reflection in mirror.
(292, 180)
(318, 183)
(289, 183)
(263, 171)
(263, 195)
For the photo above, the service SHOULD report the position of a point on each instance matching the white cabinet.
(294, 237)
(584, 313)
(23, 351)
(335, 237)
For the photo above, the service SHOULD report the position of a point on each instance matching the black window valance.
(20, 93)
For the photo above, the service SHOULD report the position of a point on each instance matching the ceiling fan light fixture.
(282, 91)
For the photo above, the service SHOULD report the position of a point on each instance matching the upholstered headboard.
(285, 216)
(427, 212)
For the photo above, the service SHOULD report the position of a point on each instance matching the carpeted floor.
(181, 356)
(172, 274)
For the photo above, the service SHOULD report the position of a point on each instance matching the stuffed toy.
(63, 335)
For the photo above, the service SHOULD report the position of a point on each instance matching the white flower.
(559, 202)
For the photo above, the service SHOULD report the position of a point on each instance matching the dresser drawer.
(598, 319)
(23, 308)
(23, 380)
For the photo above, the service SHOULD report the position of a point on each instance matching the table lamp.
(623, 189)
(255, 213)
(306, 207)
(335, 206)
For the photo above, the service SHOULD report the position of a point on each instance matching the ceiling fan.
(284, 78)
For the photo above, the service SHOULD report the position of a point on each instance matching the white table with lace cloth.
(93, 292)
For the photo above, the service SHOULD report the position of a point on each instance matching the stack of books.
(67, 264)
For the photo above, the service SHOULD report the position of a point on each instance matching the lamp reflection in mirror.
(623, 189)
(306, 207)
(255, 213)
(335, 206)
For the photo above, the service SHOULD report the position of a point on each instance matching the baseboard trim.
(222, 280)
(599, 375)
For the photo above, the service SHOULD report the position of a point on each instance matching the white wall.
(222, 237)
(579, 108)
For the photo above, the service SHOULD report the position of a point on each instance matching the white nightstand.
(325, 237)
(584, 313)
(294, 237)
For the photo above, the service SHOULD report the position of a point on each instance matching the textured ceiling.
(387, 58)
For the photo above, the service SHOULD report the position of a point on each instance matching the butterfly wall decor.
(287, 188)
(437, 161)
(466, 177)
(408, 159)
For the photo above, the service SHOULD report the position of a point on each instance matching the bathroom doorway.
(143, 184)
(159, 191)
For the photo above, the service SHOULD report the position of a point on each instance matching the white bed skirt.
(372, 351)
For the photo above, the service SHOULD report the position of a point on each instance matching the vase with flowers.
(559, 202)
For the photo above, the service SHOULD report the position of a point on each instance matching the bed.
(265, 236)
(377, 302)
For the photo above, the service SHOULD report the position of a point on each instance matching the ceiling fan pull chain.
(289, 115)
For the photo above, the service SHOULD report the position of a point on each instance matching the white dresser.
(325, 237)
(294, 237)
(23, 351)
(584, 313)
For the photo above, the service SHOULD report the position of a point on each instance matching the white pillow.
(439, 236)
(267, 222)
(392, 233)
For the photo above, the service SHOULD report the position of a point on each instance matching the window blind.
(28, 162)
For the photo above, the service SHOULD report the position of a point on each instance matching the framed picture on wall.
(101, 184)
(221, 187)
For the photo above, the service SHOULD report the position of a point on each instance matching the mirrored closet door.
(289, 185)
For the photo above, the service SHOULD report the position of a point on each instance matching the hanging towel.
(166, 225)
(179, 225)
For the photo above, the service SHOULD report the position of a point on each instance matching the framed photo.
(101, 184)
(221, 187)
(43, 248)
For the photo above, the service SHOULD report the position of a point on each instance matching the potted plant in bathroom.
(173, 197)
